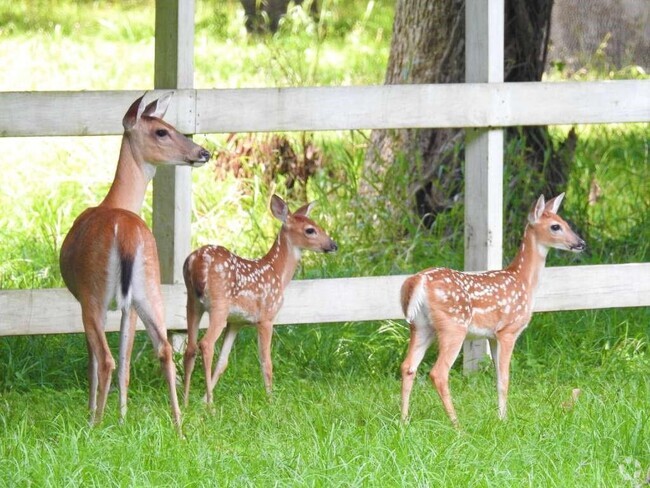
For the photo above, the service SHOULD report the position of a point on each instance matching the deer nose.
(580, 246)
(333, 247)
(204, 155)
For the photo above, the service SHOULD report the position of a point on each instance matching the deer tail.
(412, 297)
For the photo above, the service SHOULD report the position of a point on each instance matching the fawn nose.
(580, 246)
(332, 246)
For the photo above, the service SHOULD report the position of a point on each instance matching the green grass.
(354, 438)
(334, 417)
(333, 424)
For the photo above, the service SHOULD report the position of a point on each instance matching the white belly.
(474, 332)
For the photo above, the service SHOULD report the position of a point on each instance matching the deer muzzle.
(331, 247)
(579, 246)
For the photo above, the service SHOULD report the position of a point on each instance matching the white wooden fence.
(484, 103)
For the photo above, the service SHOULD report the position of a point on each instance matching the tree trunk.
(428, 46)
(264, 15)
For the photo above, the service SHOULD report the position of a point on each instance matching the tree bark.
(428, 46)
(264, 15)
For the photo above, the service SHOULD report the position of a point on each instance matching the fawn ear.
(158, 107)
(279, 209)
(305, 209)
(553, 205)
(537, 210)
(133, 113)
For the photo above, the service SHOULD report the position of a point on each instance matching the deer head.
(303, 232)
(155, 141)
(552, 230)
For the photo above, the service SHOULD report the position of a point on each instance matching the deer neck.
(530, 259)
(132, 176)
(283, 257)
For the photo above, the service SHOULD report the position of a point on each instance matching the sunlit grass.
(337, 427)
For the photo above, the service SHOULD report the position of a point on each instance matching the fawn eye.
(310, 231)
(162, 132)
(556, 227)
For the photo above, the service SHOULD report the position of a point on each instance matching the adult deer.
(497, 305)
(110, 255)
(237, 291)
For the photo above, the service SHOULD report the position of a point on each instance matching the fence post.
(484, 41)
(172, 186)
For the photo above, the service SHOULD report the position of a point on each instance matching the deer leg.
(92, 381)
(421, 338)
(264, 334)
(226, 347)
(506, 345)
(150, 311)
(218, 320)
(495, 353)
(450, 340)
(194, 314)
(127, 336)
(102, 363)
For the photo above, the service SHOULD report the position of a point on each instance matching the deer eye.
(310, 231)
(556, 227)
(162, 132)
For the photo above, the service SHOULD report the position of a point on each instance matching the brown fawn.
(451, 305)
(110, 254)
(237, 292)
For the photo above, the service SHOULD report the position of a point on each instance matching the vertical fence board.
(172, 186)
(483, 154)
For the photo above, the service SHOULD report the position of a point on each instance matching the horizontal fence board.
(597, 286)
(335, 108)
(82, 113)
(419, 106)
(52, 311)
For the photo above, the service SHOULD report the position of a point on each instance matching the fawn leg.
(226, 347)
(421, 338)
(264, 334)
(451, 335)
(505, 346)
(195, 312)
(218, 320)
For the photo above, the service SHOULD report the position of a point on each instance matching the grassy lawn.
(334, 415)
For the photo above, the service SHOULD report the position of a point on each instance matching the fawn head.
(551, 229)
(157, 142)
(302, 231)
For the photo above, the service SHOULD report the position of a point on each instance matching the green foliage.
(612, 164)
(347, 45)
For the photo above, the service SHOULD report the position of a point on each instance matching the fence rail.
(55, 311)
(481, 105)
(192, 111)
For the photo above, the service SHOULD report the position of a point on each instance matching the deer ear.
(133, 113)
(553, 205)
(537, 210)
(279, 209)
(158, 107)
(305, 209)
